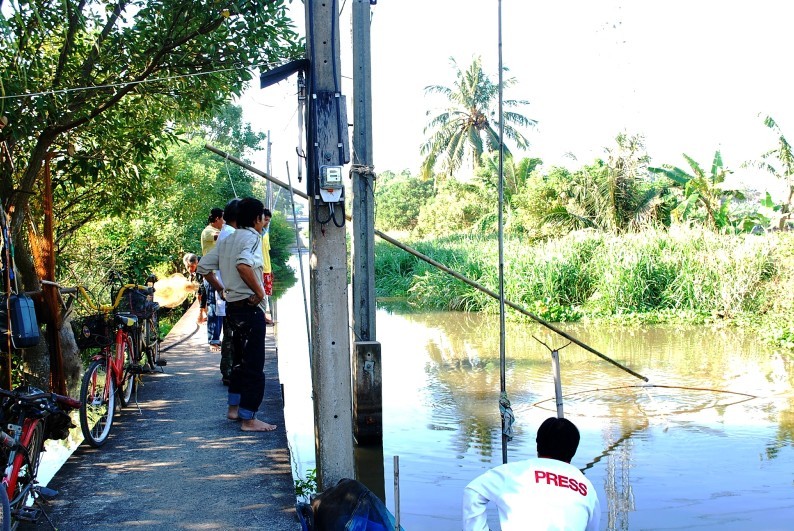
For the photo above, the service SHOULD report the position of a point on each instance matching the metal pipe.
(397, 493)
(441, 266)
(555, 366)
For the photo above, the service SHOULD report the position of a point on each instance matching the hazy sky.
(691, 75)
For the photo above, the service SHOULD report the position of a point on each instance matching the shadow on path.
(175, 461)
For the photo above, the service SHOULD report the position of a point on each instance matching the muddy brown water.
(707, 443)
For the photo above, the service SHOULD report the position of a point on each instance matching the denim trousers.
(214, 321)
(247, 381)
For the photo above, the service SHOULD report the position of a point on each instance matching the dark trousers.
(247, 324)
(227, 348)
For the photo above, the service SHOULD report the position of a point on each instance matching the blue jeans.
(214, 321)
(247, 382)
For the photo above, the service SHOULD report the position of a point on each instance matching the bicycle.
(29, 417)
(115, 331)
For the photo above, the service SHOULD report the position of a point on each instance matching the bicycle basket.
(91, 331)
(134, 301)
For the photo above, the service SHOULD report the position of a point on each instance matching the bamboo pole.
(441, 266)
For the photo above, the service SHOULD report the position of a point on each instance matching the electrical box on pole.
(327, 152)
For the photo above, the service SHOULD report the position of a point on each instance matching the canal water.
(706, 443)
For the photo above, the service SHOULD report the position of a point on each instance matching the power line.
(124, 84)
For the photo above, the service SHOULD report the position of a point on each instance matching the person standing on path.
(266, 267)
(209, 237)
(239, 259)
(230, 225)
(543, 493)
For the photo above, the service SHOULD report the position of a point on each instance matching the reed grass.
(660, 274)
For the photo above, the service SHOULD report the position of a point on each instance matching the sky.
(692, 76)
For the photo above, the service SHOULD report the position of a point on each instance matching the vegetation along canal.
(708, 443)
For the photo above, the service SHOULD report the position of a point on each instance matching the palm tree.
(612, 195)
(469, 126)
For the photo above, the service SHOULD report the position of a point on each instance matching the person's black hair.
(268, 213)
(230, 211)
(557, 439)
(248, 211)
(215, 214)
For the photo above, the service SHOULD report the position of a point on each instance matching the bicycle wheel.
(152, 331)
(28, 469)
(97, 404)
(129, 383)
(5, 507)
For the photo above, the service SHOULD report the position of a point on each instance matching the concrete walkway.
(177, 462)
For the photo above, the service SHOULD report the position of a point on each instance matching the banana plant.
(703, 191)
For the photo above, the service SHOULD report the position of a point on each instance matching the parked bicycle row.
(119, 342)
(122, 342)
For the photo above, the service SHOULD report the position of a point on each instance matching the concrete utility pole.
(327, 152)
(367, 374)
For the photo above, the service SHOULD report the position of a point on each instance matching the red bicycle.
(29, 417)
(120, 355)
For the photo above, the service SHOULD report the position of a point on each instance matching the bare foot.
(257, 425)
(215, 348)
(232, 414)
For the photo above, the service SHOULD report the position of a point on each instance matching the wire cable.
(127, 83)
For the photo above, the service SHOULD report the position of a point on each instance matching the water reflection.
(685, 452)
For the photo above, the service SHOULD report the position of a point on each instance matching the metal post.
(555, 365)
(397, 492)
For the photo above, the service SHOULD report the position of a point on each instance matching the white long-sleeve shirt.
(243, 246)
(533, 494)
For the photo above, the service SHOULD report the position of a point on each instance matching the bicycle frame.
(23, 436)
(23, 448)
(114, 358)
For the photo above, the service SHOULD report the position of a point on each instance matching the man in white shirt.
(543, 493)
(239, 259)
(229, 226)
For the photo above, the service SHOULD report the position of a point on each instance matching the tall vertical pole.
(327, 138)
(367, 374)
(502, 335)
(363, 179)
(269, 190)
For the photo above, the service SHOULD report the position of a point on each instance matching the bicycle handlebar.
(63, 400)
(89, 301)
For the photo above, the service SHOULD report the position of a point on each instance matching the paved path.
(177, 463)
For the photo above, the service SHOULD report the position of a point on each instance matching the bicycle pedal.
(47, 492)
(161, 363)
(136, 369)
(28, 514)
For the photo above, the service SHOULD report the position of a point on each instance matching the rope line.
(649, 386)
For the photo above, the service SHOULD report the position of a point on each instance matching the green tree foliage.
(515, 175)
(114, 80)
(704, 196)
(779, 162)
(399, 199)
(456, 208)
(613, 195)
(469, 126)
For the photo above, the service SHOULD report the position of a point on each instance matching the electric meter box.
(330, 177)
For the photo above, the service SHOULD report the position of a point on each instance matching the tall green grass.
(679, 272)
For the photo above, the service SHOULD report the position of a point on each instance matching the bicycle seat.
(126, 319)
